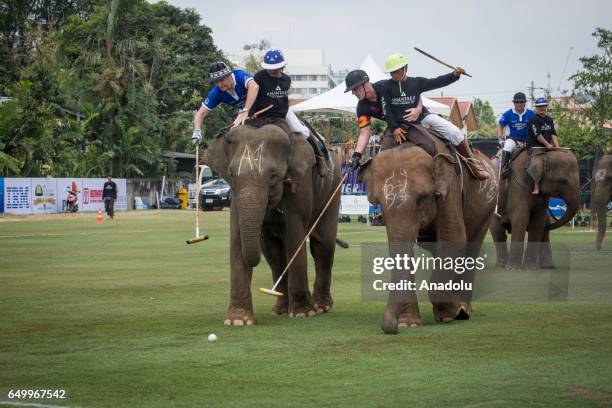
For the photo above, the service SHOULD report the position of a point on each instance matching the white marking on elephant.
(489, 186)
(253, 157)
(600, 175)
(396, 192)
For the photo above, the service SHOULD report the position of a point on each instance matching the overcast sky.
(504, 45)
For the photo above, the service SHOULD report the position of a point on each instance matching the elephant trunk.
(251, 209)
(573, 203)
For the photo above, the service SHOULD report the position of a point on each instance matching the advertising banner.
(92, 194)
(1, 194)
(354, 205)
(122, 201)
(93, 191)
(44, 195)
(18, 196)
(69, 194)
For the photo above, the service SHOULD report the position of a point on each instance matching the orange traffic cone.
(99, 219)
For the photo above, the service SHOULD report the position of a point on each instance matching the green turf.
(118, 314)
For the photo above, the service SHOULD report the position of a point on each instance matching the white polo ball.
(212, 337)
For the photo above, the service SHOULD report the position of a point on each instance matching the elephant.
(431, 199)
(601, 194)
(526, 212)
(277, 194)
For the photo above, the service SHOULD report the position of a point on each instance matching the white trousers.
(509, 145)
(295, 125)
(448, 131)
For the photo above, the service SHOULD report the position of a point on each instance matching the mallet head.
(197, 239)
(271, 292)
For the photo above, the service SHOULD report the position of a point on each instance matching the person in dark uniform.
(273, 90)
(541, 135)
(109, 195)
(402, 92)
(369, 106)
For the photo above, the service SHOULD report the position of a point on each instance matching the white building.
(310, 76)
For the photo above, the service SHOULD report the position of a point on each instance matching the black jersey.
(399, 96)
(109, 190)
(540, 125)
(272, 91)
(366, 109)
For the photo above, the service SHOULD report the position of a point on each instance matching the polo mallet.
(197, 237)
(439, 60)
(259, 112)
(499, 184)
(273, 291)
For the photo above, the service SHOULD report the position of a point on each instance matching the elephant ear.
(301, 158)
(444, 166)
(366, 174)
(216, 158)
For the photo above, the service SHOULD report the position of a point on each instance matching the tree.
(486, 119)
(595, 82)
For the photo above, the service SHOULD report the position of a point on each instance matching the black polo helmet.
(355, 78)
(519, 97)
(219, 70)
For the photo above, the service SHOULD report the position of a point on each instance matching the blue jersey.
(217, 96)
(517, 123)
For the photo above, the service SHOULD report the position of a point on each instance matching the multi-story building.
(310, 76)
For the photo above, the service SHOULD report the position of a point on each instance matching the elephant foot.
(410, 316)
(305, 309)
(389, 323)
(238, 316)
(322, 303)
(410, 321)
(547, 266)
(464, 311)
(445, 312)
(281, 307)
(531, 266)
(500, 264)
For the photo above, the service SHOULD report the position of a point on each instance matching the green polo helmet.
(395, 62)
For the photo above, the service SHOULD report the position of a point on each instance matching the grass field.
(118, 314)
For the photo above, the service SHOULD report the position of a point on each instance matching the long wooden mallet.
(197, 237)
(439, 60)
(273, 291)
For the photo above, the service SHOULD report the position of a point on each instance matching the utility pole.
(531, 93)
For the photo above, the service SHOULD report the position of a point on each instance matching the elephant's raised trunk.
(251, 209)
(573, 202)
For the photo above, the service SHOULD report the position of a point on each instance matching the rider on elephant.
(274, 87)
(402, 92)
(542, 135)
(516, 120)
(369, 106)
(235, 88)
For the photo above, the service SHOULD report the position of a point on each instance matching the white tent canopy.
(336, 99)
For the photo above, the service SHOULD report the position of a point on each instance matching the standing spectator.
(109, 195)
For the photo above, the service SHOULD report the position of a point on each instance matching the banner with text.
(354, 205)
(44, 196)
(24, 196)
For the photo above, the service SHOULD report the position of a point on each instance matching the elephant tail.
(342, 243)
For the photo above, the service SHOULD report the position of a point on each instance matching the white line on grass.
(30, 404)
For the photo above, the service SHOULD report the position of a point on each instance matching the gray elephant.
(277, 194)
(435, 201)
(557, 171)
(601, 194)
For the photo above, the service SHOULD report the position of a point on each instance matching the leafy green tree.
(486, 119)
(595, 82)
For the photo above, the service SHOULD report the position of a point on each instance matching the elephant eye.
(421, 200)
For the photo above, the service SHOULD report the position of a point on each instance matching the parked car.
(215, 194)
